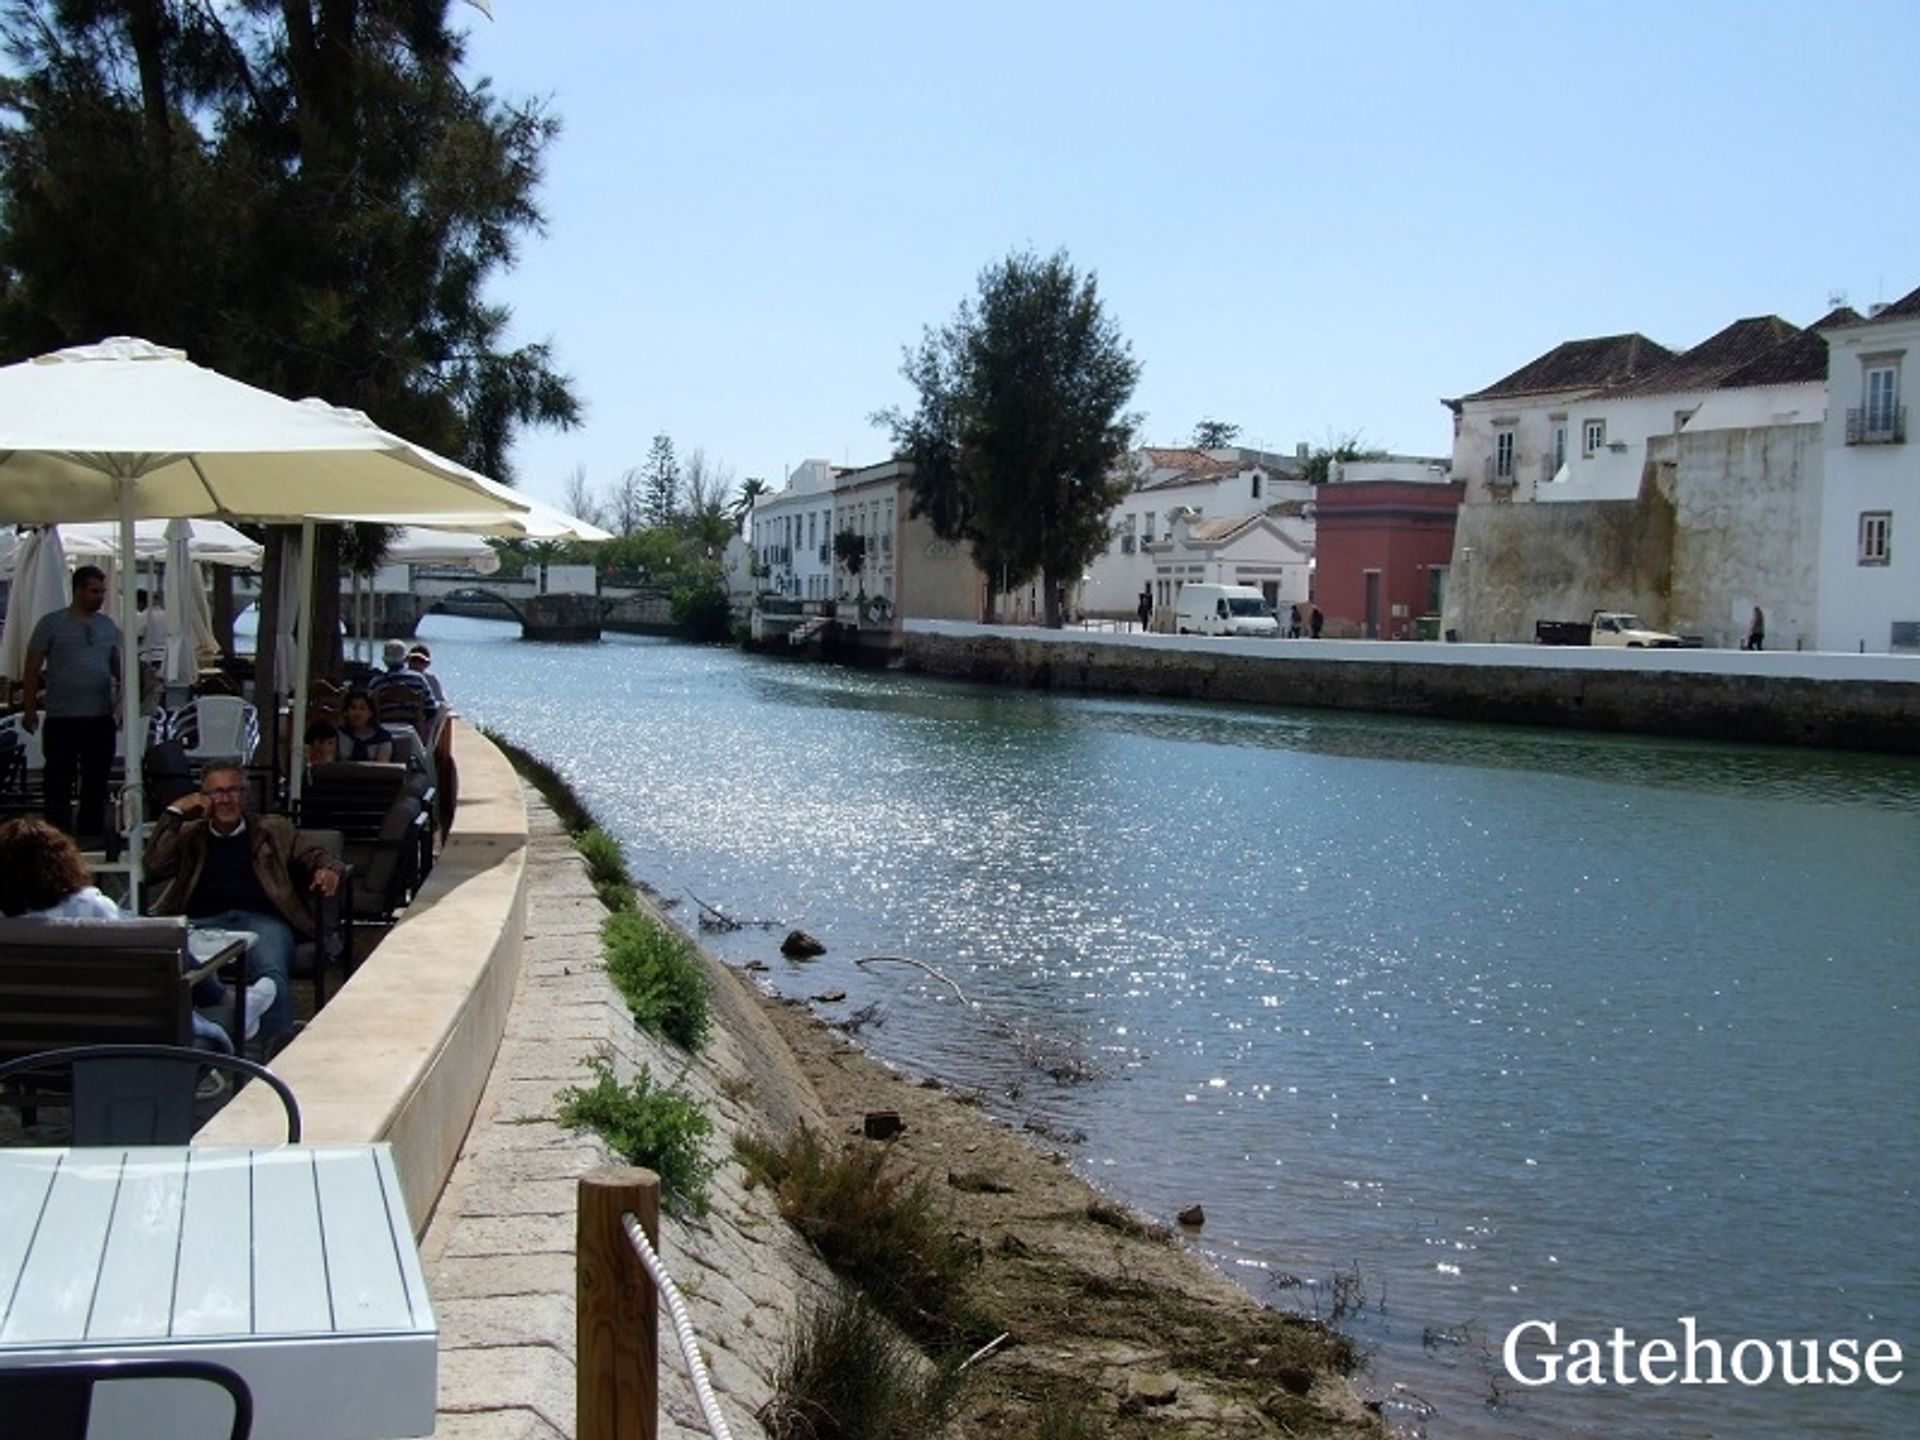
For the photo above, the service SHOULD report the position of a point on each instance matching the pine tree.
(660, 483)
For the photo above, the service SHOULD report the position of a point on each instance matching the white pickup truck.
(1607, 627)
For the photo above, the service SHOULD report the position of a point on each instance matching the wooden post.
(616, 1358)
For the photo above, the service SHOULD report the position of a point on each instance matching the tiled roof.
(1186, 460)
(1793, 361)
(1905, 308)
(1706, 365)
(1219, 528)
(1596, 364)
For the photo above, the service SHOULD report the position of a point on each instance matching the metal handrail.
(682, 1328)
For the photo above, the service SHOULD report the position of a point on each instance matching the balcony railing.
(1877, 425)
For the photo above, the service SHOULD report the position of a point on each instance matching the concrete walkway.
(499, 1249)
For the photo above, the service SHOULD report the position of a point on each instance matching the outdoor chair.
(400, 705)
(383, 826)
(217, 727)
(55, 1402)
(142, 1094)
(218, 682)
(27, 740)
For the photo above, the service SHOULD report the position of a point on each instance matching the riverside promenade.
(498, 1251)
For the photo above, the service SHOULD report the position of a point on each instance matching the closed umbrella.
(129, 430)
(181, 664)
(40, 584)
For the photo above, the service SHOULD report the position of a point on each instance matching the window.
(1559, 446)
(1593, 436)
(1503, 455)
(1883, 398)
(1876, 537)
(1146, 534)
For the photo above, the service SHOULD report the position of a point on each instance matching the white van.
(1223, 610)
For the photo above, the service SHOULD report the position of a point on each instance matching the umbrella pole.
(133, 796)
(303, 651)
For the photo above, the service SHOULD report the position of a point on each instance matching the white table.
(294, 1266)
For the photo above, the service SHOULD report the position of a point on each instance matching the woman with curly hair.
(43, 876)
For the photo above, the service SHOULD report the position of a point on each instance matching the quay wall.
(402, 1053)
(1838, 701)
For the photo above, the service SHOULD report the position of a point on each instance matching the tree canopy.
(304, 194)
(1021, 423)
(1211, 434)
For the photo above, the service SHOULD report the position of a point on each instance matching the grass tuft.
(658, 1127)
(848, 1375)
(660, 974)
(606, 867)
(886, 1236)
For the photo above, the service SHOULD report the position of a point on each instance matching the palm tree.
(751, 489)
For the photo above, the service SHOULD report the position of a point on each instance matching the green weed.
(658, 1127)
(606, 867)
(661, 976)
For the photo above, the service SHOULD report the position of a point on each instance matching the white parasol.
(129, 430)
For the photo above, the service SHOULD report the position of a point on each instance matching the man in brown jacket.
(236, 871)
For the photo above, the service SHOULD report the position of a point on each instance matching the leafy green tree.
(660, 483)
(1337, 450)
(699, 602)
(305, 195)
(1213, 434)
(850, 549)
(1020, 424)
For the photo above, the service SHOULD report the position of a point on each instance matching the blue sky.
(1309, 220)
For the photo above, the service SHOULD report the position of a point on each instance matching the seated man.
(402, 676)
(237, 871)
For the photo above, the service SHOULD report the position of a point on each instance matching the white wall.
(1117, 576)
(1859, 604)
(1533, 419)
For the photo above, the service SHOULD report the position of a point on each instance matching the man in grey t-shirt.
(75, 653)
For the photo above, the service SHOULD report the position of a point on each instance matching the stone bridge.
(563, 616)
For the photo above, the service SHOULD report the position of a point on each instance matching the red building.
(1381, 548)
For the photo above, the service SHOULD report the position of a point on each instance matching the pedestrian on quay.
(1146, 605)
(1756, 632)
(1315, 621)
(73, 656)
(1293, 623)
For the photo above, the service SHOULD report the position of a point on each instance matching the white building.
(1175, 485)
(1700, 389)
(1870, 514)
(793, 534)
(1511, 438)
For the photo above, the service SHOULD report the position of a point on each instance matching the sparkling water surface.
(1447, 1026)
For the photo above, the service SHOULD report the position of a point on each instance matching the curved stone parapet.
(401, 1054)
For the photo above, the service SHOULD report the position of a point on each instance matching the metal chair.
(142, 1094)
(55, 1402)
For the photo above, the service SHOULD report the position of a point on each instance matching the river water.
(1447, 1026)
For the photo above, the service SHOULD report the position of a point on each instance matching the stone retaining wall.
(1851, 702)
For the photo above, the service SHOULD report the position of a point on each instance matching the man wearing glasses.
(235, 871)
(75, 652)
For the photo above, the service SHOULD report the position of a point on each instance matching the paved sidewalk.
(499, 1250)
